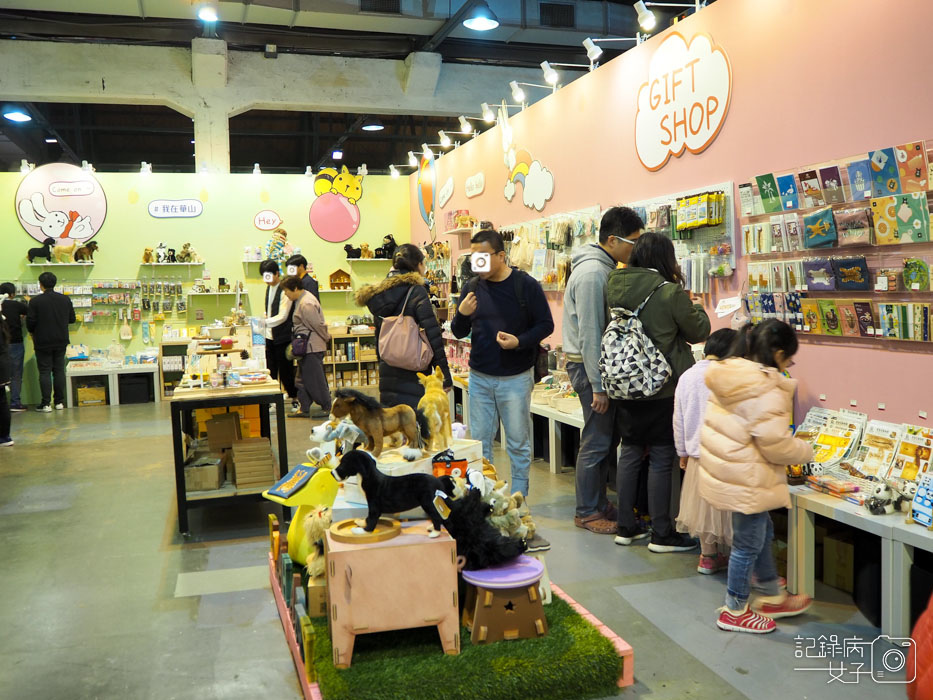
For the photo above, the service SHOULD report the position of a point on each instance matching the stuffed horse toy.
(377, 422)
(86, 252)
(393, 494)
(45, 251)
(436, 407)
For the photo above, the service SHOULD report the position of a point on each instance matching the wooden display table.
(503, 602)
(185, 401)
(407, 581)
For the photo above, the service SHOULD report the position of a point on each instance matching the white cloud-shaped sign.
(539, 186)
(509, 190)
(684, 102)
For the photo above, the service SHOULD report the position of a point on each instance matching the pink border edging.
(623, 648)
(310, 691)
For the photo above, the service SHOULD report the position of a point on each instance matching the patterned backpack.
(631, 365)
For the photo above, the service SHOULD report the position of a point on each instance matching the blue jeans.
(599, 442)
(17, 353)
(751, 553)
(508, 399)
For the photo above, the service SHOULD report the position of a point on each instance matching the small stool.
(544, 585)
(503, 602)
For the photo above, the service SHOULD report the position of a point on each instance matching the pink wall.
(811, 81)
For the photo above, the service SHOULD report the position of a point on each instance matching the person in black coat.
(47, 319)
(401, 386)
(278, 330)
(5, 376)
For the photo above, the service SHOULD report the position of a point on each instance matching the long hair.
(656, 251)
(407, 258)
(767, 338)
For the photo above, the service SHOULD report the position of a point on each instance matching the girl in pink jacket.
(744, 447)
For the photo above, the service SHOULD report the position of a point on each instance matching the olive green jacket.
(669, 318)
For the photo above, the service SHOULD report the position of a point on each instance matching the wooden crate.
(253, 463)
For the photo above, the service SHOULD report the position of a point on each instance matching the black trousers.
(51, 363)
(280, 367)
(312, 384)
(4, 413)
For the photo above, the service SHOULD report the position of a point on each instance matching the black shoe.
(675, 542)
(537, 544)
(626, 535)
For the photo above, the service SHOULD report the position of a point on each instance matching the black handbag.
(300, 345)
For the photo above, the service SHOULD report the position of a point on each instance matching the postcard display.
(842, 249)
(541, 247)
(701, 222)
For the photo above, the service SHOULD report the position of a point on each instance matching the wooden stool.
(503, 602)
(544, 585)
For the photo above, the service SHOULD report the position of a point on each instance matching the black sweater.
(47, 319)
(397, 386)
(500, 308)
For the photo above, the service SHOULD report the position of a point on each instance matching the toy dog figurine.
(161, 254)
(64, 253)
(393, 494)
(365, 252)
(352, 253)
(45, 251)
(148, 255)
(377, 422)
(436, 408)
(86, 252)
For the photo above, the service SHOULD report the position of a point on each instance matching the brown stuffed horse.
(377, 421)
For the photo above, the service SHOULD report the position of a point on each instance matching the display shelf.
(458, 231)
(60, 264)
(169, 264)
(353, 261)
(225, 491)
(335, 291)
(211, 294)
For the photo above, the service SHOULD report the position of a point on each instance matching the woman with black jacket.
(5, 376)
(401, 386)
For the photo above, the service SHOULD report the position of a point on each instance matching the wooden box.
(253, 463)
(407, 581)
(317, 597)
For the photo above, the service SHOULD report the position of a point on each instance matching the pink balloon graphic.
(333, 218)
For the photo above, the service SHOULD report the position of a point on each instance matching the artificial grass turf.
(573, 661)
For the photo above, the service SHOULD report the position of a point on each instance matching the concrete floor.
(103, 599)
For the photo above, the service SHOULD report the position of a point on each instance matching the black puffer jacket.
(397, 386)
(5, 369)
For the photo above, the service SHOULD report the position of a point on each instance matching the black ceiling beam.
(454, 21)
(325, 154)
(43, 123)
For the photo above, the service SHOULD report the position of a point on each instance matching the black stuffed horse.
(44, 252)
(392, 494)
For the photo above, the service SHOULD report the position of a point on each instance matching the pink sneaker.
(749, 621)
(786, 606)
(710, 565)
(782, 583)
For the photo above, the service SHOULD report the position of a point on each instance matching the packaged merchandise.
(851, 274)
(787, 187)
(879, 445)
(819, 228)
(831, 181)
(768, 190)
(811, 316)
(829, 317)
(884, 176)
(865, 316)
(854, 226)
(885, 220)
(912, 166)
(916, 275)
(859, 180)
(913, 218)
(811, 189)
(819, 275)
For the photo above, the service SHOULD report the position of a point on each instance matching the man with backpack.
(585, 319)
(509, 316)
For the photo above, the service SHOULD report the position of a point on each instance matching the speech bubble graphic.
(683, 103)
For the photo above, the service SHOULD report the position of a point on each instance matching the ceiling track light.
(372, 125)
(481, 18)
(87, 167)
(445, 139)
(412, 161)
(393, 171)
(145, 168)
(25, 166)
(14, 114)
(309, 171)
(362, 171)
(337, 154)
(646, 19)
(593, 52)
(465, 126)
(427, 152)
(517, 93)
(256, 170)
(550, 75)
(488, 115)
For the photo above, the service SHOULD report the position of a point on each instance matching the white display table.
(898, 539)
(112, 374)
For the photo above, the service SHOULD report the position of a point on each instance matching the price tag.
(790, 204)
(923, 414)
(798, 327)
(871, 330)
(806, 329)
(867, 193)
(881, 406)
(801, 287)
(853, 403)
(915, 287)
(881, 285)
(879, 331)
(822, 397)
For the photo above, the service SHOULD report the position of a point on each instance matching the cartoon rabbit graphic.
(55, 224)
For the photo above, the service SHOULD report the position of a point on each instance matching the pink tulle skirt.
(698, 517)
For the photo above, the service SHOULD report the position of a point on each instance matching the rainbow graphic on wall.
(427, 188)
(536, 180)
(523, 161)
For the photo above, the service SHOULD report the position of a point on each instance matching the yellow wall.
(219, 235)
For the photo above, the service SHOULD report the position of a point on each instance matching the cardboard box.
(839, 562)
(91, 395)
(317, 597)
(222, 431)
(206, 477)
(253, 463)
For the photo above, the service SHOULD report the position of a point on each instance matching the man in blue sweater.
(509, 316)
(585, 320)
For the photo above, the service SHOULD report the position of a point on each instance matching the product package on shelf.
(819, 228)
(884, 175)
(854, 226)
(851, 274)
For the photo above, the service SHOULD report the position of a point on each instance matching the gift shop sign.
(684, 101)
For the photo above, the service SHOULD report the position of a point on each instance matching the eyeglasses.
(624, 240)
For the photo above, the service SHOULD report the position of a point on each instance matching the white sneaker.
(44, 409)
(59, 407)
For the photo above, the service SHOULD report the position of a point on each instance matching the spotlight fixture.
(25, 166)
(309, 171)
(465, 126)
(393, 171)
(517, 93)
(192, 140)
(445, 139)
(337, 154)
(550, 75)
(362, 171)
(256, 170)
(412, 161)
(51, 140)
(481, 18)
(203, 170)
(593, 52)
(207, 14)
(145, 168)
(646, 19)
(16, 115)
(87, 167)
(427, 152)
(488, 116)
(372, 125)
(271, 51)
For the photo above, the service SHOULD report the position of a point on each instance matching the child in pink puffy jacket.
(746, 444)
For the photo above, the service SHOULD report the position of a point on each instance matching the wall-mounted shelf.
(458, 232)
(71, 264)
(163, 264)
(352, 261)
(211, 294)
